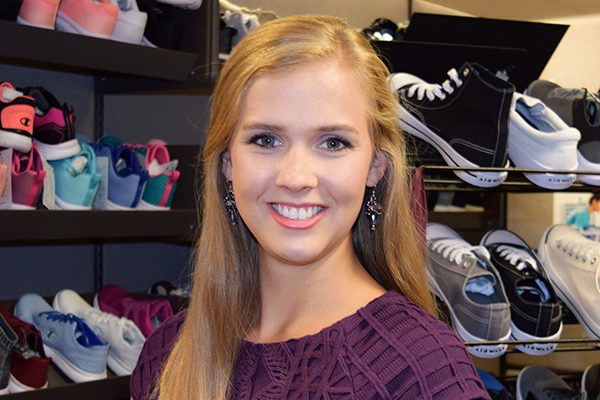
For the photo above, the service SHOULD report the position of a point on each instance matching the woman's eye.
(334, 144)
(266, 141)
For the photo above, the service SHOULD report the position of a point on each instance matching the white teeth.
(296, 213)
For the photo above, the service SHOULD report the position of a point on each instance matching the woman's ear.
(226, 166)
(378, 167)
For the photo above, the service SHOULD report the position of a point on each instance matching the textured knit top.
(389, 349)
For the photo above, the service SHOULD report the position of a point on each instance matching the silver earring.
(373, 210)
(229, 201)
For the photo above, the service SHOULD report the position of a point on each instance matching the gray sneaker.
(462, 276)
(539, 383)
(590, 381)
(579, 109)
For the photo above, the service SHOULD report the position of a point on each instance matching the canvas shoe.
(243, 22)
(590, 381)
(39, 13)
(27, 179)
(131, 22)
(465, 119)
(125, 338)
(16, 118)
(146, 314)
(126, 177)
(29, 364)
(76, 180)
(539, 383)
(463, 277)
(8, 342)
(53, 127)
(534, 309)
(572, 263)
(87, 17)
(69, 341)
(540, 139)
(581, 110)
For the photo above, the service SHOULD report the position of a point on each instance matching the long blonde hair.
(225, 300)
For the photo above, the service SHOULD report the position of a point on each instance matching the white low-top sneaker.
(125, 338)
(539, 139)
(572, 263)
(131, 22)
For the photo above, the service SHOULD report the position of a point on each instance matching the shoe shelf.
(121, 67)
(113, 387)
(44, 225)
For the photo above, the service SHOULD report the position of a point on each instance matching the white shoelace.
(580, 249)
(454, 249)
(109, 319)
(431, 90)
(517, 257)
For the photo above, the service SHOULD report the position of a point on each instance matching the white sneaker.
(572, 263)
(539, 139)
(125, 338)
(131, 22)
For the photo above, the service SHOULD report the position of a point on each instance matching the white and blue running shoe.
(73, 346)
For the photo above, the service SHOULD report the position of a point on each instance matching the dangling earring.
(373, 210)
(229, 201)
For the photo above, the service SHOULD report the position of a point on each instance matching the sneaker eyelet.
(466, 71)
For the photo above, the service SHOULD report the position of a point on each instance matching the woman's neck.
(300, 300)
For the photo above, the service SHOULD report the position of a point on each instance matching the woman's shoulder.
(394, 340)
(155, 352)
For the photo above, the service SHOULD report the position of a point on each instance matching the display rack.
(117, 68)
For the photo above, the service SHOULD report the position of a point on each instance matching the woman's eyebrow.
(257, 126)
(337, 128)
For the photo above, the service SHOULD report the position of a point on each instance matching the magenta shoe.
(147, 314)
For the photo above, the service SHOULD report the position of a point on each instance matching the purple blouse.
(389, 349)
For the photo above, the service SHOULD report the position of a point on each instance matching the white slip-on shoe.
(572, 262)
(540, 139)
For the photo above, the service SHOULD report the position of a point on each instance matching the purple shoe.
(147, 314)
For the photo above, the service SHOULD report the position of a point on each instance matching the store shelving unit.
(117, 68)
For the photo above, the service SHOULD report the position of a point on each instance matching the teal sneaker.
(76, 180)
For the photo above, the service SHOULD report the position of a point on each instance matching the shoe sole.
(60, 151)
(62, 205)
(16, 141)
(484, 351)
(592, 330)
(413, 126)
(14, 386)
(117, 367)
(534, 349)
(73, 372)
(145, 206)
(545, 180)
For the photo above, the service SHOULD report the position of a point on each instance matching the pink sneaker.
(87, 17)
(17, 113)
(27, 179)
(40, 13)
(147, 314)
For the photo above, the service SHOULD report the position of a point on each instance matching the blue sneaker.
(126, 177)
(76, 180)
(69, 341)
(495, 389)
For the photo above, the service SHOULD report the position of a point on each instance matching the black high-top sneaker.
(581, 110)
(465, 119)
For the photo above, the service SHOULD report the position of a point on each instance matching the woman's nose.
(297, 170)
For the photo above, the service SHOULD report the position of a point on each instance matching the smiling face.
(299, 159)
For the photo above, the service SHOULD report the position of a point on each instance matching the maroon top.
(390, 349)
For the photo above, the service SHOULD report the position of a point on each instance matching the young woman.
(309, 279)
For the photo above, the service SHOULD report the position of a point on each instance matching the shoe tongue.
(78, 165)
(592, 109)
(9, 94)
